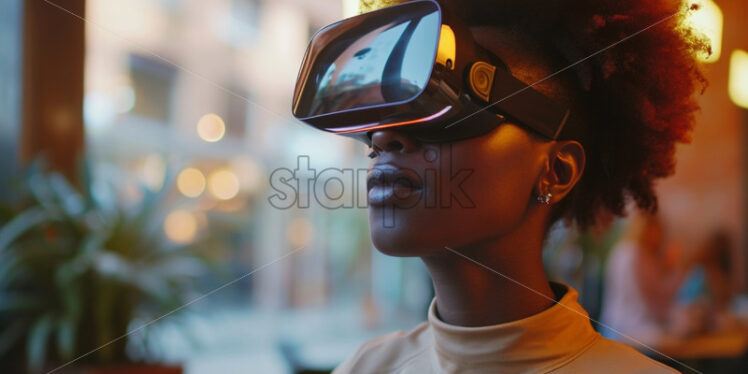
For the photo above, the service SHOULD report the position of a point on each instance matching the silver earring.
(545, 199)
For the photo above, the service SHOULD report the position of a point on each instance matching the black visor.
(413, 66)
(382, 60)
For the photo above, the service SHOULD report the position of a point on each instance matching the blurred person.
(703, 300)
(495, 310)
(640, 283)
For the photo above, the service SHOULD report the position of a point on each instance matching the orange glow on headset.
(370, 127)
(447, 47)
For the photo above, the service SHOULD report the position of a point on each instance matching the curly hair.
(634, 101)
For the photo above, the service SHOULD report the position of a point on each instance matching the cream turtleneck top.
(559, 339)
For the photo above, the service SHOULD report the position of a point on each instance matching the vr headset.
(418, 69)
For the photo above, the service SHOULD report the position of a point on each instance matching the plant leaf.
(72, 301)
(36, 345)
(66, 329)
(85, 255)
(10, 265)
(69, 200)
(38, 184)
(20, 224)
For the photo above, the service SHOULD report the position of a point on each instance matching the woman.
(495, 311)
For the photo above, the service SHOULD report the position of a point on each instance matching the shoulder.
(615, 357)
(387, 351)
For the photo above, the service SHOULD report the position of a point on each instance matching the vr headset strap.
(512, 97)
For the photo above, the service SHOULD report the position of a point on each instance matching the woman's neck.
(494, 282)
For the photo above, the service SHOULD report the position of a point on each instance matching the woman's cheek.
(501, 187)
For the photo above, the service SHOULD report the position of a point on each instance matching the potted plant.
(76, 267)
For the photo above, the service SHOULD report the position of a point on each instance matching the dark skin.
(504, 229)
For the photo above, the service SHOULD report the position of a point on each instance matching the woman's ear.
(565, 166)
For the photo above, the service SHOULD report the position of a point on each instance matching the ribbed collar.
(534, 344)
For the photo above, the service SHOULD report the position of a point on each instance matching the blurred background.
(137, 141)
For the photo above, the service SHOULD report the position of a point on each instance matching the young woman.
(495, 311)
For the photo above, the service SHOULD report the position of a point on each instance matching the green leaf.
(68, 199)
(85, 256)
(72, 300)
(20, 224)
(66, 329)
(113, 266)
(156, 288)
(10, 265)
(38, 184)
(36, 345)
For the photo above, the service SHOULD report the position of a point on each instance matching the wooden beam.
(743, 239)
(53, 58)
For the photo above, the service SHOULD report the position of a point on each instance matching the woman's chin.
(400, 242)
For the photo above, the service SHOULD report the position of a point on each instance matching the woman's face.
(450, 194)
(458, 193)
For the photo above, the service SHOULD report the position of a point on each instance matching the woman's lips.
(395, 195)
(391, 184)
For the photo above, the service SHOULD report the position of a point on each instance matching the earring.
(545, 199)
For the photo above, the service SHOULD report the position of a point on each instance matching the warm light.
(223, 184)
(299, 232)
(369, 5)
(154, 170)
(447, 47)
(738, 81)
(191, 182)
(708, 19)
(211, 127)
(180, 227)
(350, 8)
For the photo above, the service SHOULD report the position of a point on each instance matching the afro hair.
(635, 71)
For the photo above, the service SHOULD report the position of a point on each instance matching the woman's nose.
(389, 140)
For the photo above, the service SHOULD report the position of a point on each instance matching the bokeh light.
(154, 171)
(708, 19)
(738, 83)
(211, 127)
(223, 184)
(180, 227)
(191, 182)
